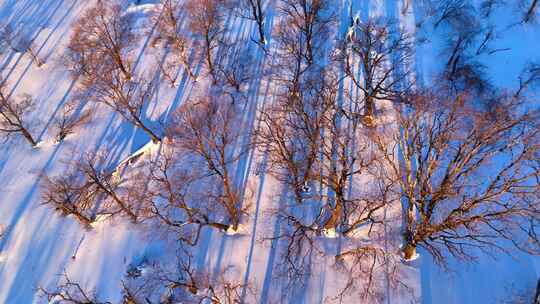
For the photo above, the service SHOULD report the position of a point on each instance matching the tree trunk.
(368, 118)
(230, 204)
(334, 219)
(530, 12)
(409, 251)
(28, 137)
(152, 135)
(210, 62)
(262, 39)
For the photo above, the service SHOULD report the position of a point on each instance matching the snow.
(415, 257)
(100, 218)
(39, 244)
(330, 233)
(241, 230)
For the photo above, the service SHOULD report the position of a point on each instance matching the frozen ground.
(38, 245)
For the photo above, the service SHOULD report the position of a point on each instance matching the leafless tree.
(488, 6)
(384, 56)
(102, 41)
(161, 283)
(14, 114)
(69, 120)
(234, 70)
(254, 10)
(18, 43)
(175, 199)
(468, 173)
(128, 98)
(347, 157)
(368, 270)
(530, 11)
(292, 128)
(171, 30)
(297, 239)
(304, 27)
(70, 292)
(87, 189)
(463, 69)
(452, 11)
(190, 286)
(206, 24)
(69, 198)
(100, 55)
(208, 132)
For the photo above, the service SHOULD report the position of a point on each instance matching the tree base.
(409, 253)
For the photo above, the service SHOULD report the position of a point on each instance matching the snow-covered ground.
(38, 246)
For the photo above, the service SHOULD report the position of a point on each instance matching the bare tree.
(254, 10)
(463, 69)
(235, 70)
(161, 283)
(304, 27)
(129, 98)
(469, 173)
(70, 292)
(452, 11)
(209, 131)
(187, 285)
(174, 198)
(18, 43)
(102, 41)
(372, 274)
(171, 30)
(87, 190)
(292, 128)
(530, 13)
(100, 55)
(206, 24)
(347, 157)
(69, 120)
(488, 6)
(14, 114)
(69, 198)
(384, 56)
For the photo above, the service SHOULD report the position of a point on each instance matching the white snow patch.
(242, 230)
(413, 258)
(142, 9)
(38, 145)
(330, 233)
(149, 149)
(99, 219)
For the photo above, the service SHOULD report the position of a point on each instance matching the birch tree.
(469, 175)
(14, 113)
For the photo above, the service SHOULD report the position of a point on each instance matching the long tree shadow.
(26, 202)
(273, 255)
(46, 248)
